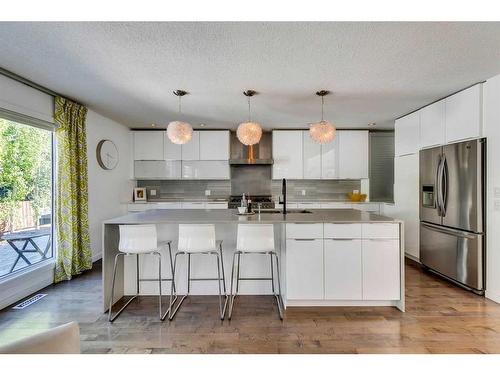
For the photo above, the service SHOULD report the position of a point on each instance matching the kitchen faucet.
(283, 194)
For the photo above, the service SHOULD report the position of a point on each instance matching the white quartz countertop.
(187, 216)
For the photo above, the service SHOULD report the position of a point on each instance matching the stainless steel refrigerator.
(452, 212)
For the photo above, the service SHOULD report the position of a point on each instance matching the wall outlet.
(207, 192)
(497, 192)
(496, 206)
(303, 191)
(152, 192)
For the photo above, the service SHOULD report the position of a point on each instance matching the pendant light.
(179, 132)
(323, 131)
(250, 132)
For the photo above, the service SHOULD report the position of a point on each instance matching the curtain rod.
(27, 82)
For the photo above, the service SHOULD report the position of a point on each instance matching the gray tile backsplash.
(172, 189)
(314, 189)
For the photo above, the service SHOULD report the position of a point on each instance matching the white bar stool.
(255, 239)
(136, 240)
(199, 239)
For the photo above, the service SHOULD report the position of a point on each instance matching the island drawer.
(380, 230)
(342, 230)
(304, 231)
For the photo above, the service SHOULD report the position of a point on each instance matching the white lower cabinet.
(343, 280)
(304, 268)
(381, 269)
(308, 205)
(166, 205)
(334, 205)
(342, 262)
(136, 207)
(216, 205)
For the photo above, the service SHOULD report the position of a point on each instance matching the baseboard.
(96, 257)
(413, 258)
(493, 296)
(332, 303)
(21, 286)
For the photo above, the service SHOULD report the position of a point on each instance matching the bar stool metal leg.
(173, 311)
(279, 298)
(110, 317)
(222, 309)
(223, 272)
(233, 293)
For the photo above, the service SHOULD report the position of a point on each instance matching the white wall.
(109, 191)
(491, 122)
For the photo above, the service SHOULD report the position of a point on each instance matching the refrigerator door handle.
(444, 179)
(438, 187)
(451, 232)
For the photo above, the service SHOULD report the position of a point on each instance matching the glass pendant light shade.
(322, 132)
(179, 132)
(249, 133)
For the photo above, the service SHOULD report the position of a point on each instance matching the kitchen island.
(329, 257)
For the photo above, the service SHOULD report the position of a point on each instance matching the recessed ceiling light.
(372, 124)
(153, 125)
(202, 125)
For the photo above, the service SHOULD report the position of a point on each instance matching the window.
(26, 195)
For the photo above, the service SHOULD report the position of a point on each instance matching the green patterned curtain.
(72, 225)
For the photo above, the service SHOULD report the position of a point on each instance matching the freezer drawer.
(455, 254)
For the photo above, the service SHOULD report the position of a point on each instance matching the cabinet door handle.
(341, 239)
(305, 239)
(380, 239)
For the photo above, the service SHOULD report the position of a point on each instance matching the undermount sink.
(292, 211)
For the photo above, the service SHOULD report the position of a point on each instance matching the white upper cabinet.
(463, 114)
(191, 150)
(330, 159)
(205, 170)
(312, 157)
(407, 134)
(148, 145)
(432, 125)
(172, 151)
(214, 145)
(353, 154)
(287, 154)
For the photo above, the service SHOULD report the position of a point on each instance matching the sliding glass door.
(26, 196)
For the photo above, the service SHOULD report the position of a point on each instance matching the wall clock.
(107, 154)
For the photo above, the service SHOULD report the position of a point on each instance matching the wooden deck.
(440, 318)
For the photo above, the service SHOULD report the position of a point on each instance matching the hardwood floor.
(440, 318)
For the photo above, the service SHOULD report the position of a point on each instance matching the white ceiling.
(376, 71)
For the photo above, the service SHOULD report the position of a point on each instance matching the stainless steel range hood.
(260, 153)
